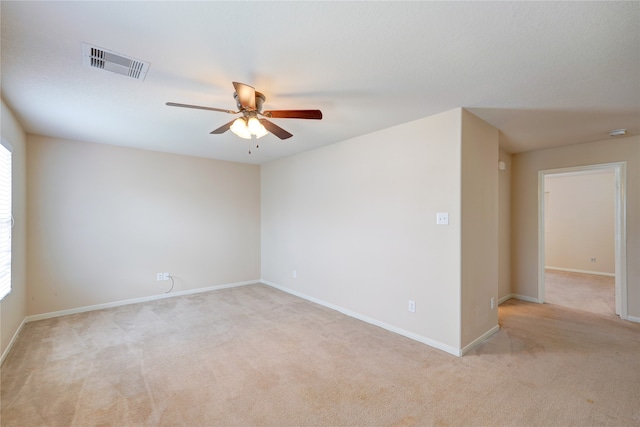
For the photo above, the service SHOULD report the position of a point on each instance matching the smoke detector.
(618, 132)
(97, 57)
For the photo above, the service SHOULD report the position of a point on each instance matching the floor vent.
(97, 57)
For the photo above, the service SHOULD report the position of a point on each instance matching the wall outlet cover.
(442, 218)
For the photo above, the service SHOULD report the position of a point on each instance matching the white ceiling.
(545, 73)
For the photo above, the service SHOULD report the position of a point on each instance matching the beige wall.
(524, 213)
(479, 227)
(103, 220)
(580, 221)
(13, 307)
(504, 226)
(356, 221)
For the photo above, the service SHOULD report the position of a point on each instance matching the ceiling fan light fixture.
(239, 127)
(256, 128)
(261, 133)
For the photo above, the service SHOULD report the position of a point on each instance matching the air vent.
(97, 57)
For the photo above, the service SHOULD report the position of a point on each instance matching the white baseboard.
(573, 270)
(13, 340)
(135, 301)
(633, 319)
(519, 297)
(479, 340)
(391, 328)
(505, 298)
(525, 298)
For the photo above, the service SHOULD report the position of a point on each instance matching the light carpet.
(256, 356)
(589, 292)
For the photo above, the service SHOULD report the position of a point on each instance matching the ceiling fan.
(249, 103)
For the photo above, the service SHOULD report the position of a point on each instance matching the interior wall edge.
(504, 223)
(505, 298)
(473, 344)
(525, 298)
(7, 350)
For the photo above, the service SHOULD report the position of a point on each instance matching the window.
(6, 220)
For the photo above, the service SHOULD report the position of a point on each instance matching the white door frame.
(620, 169)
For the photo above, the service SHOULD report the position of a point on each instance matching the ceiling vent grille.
(96, 57)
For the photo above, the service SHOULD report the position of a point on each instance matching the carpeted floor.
(255, 356)
(588, 292)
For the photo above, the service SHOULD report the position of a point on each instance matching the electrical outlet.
(159, 277)
(165, 276)
(593, 259)
(493, 303)
(162, 276)
(442, 218)
(412, 306)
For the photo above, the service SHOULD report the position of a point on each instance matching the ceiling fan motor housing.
(260, 98)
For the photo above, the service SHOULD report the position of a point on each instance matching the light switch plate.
(442, 218)
(412, 306)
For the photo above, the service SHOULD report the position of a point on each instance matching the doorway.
(615, 267)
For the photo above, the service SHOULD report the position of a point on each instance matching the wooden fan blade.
(246, 95)
(294, 114)
(275, 129)
(223, 128)
(175, 104)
